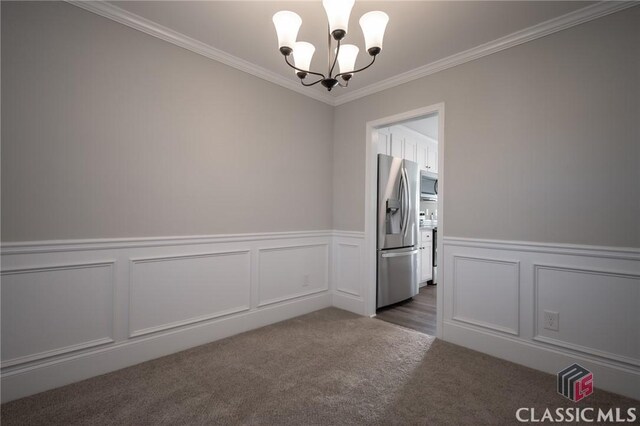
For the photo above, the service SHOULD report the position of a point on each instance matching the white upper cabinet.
(432, 157)
(423, 156)
(409, 149)
(396, 145)
(384, 142)
(390, 143)
(402, 142)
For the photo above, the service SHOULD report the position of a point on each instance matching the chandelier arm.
(286, 59)
(335, 59)
(311, 84)
(355, 71)
(329, 49)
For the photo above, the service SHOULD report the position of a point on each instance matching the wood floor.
(418, 313)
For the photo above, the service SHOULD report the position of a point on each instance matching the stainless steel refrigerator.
(398, 202)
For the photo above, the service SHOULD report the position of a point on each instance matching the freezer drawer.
(397, 276)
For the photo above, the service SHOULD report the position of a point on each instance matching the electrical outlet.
(551, 320)
(305, 281)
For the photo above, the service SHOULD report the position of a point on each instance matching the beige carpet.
(328, 367)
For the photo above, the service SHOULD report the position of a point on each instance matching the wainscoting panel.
(606, 323)
(349, 283)
(168, 292)
(76, 309)
(496, 293)
(485, 293)
(289, 272)
(53, 310)
(348, 275)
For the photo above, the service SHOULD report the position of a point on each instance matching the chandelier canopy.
(338, 11)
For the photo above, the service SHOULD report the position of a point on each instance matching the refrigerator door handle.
(403, 185)
(404, 253)
(405, 199)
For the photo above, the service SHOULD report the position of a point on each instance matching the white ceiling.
(418, 33)
(426, 126)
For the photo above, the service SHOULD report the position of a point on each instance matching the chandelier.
(288, 23)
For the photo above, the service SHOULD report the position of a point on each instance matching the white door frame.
(371, 201)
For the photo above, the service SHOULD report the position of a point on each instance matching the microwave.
(428, 186)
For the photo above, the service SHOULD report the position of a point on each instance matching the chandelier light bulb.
(347, 59)
(373, 25)
(287, 25)
(302, 54)
(338, 12)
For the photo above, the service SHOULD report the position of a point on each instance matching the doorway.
(417, 137)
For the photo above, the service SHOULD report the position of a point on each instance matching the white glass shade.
(302, 54)
(373, 25)
(347, 57)
(287, 25)
(338, 12)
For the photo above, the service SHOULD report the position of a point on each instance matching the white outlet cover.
(551, 320)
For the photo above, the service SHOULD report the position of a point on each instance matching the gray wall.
(542, 141)
(108, 132)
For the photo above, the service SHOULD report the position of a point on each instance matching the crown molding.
(542, 29)
(154, 29)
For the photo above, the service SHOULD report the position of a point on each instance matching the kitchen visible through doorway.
(407, 257)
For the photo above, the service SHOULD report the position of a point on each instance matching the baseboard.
(607, 376)
(33, 379)
(348, 302)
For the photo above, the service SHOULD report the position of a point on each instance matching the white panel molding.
(55, 352)
(129, 343)
(348, 302)
(62, 267)
(154, 29)
(586, 350)
(568, 345)
(343, 297)
(340, 266)
(326, 266)
(459, 316)
(80, 345)
(542, 29)
(32, 247)
(291, 297)
(31, 379)
(622, 253)
(348, 234)
(208, 316)
(291, 246)
(349, 292)
(617, 370)
(53, 370)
